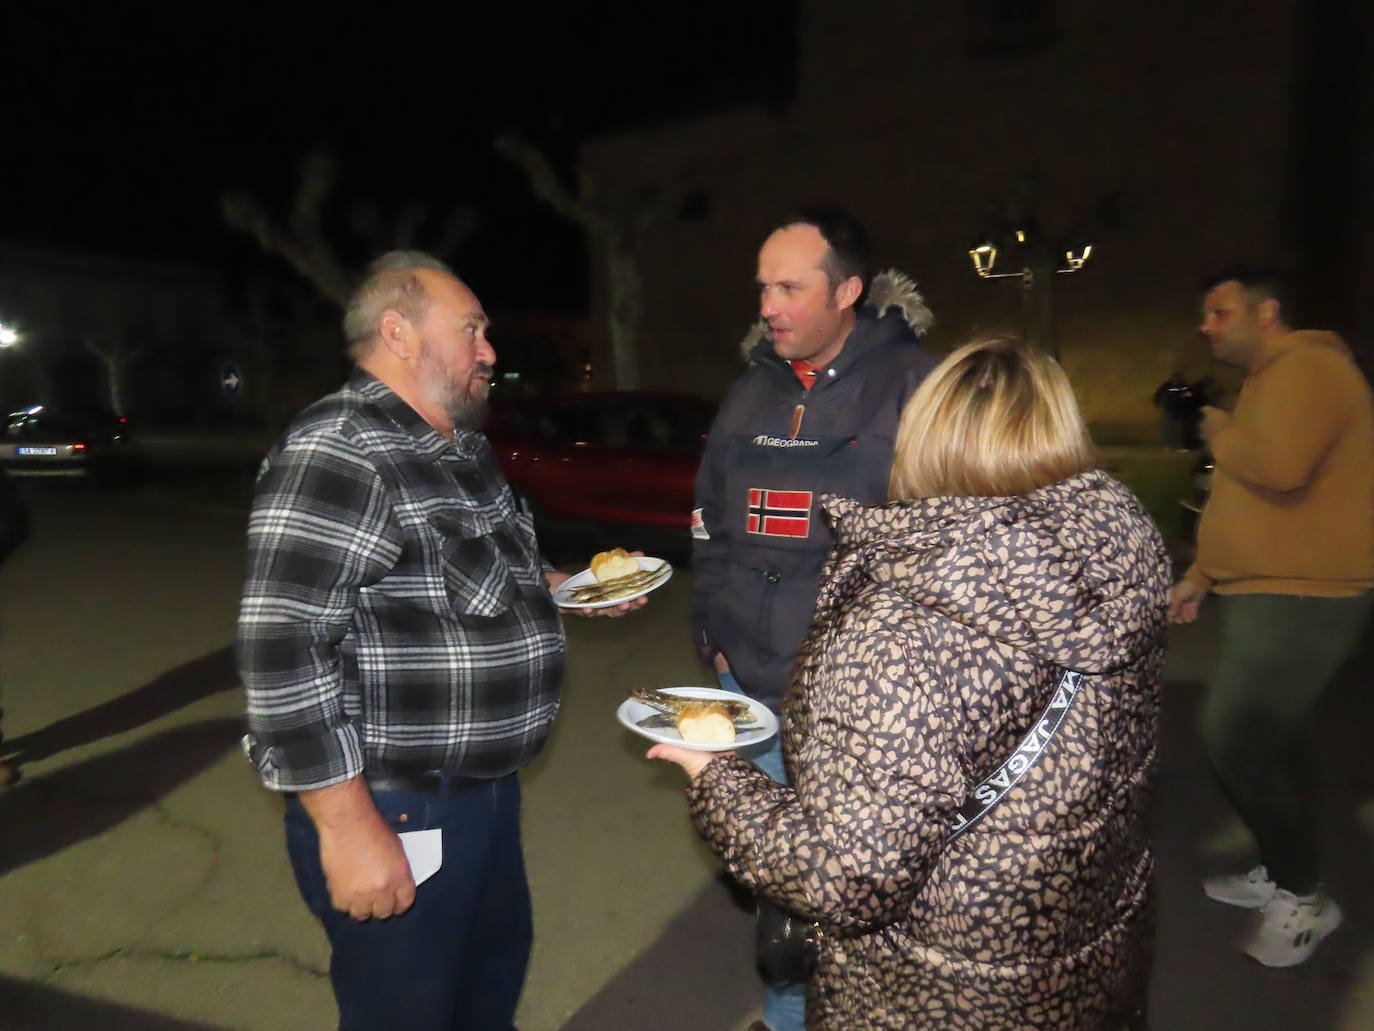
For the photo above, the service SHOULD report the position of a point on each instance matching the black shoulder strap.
(1027, 754)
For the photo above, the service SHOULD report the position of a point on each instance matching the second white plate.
(631, 711)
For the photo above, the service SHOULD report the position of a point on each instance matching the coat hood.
(1074, 573)
(890, 291)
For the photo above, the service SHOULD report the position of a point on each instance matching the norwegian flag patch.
(779, 513)
(699, 526)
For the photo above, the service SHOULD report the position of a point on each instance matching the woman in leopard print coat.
(941, 631)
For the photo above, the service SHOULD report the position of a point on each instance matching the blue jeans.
(454, 961)
(784, 1009)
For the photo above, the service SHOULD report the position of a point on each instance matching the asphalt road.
(143, 883)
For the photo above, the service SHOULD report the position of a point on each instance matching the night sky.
(120, 133)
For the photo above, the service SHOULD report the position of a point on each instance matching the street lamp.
(1039, 261)
(9, 336)
(984, 258)
(1077, 262)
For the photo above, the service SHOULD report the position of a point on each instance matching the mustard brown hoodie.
(1292, 503)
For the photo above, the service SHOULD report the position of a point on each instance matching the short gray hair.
(389, 283)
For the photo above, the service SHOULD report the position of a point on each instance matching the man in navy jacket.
(831, 364)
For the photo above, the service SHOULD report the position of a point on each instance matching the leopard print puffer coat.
(941, 629)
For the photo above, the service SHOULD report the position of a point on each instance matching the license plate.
(35, 450)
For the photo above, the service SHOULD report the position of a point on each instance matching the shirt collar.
(428, 441)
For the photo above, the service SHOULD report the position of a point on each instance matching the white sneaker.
(1247, 890)
(1291, 927)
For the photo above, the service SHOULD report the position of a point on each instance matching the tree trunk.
(613, 237)
(115, 374)
(625, 306)
(113, 360)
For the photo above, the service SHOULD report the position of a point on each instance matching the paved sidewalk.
(143, 882)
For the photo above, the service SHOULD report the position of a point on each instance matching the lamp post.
(9, 336)
(1041, 259)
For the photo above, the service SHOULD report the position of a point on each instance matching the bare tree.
(302, 240)
(117, 356)
(616, 226)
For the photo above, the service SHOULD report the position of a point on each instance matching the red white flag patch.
(780, 513)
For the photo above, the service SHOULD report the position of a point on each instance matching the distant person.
(1286, 541)
(14, 530)
(403, 658)
(831, 363)
(1200, 395)
(1000, 622)
(1178, 405)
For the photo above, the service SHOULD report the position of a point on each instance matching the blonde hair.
(994, 419)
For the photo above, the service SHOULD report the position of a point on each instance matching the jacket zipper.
(799, 412)
(765, 624)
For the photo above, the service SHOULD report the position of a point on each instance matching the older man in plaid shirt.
(403, 657)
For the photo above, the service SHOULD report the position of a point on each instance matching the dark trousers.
(1278, 654)
(456, 960)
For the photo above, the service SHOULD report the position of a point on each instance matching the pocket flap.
(477, 577)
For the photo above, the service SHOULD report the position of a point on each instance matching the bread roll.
(608, 565)
(706, 723)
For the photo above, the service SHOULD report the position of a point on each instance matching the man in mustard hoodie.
(1286, 541)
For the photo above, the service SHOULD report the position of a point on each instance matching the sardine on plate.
(620, 587)
(739, 712)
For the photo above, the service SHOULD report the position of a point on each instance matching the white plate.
(561, 596)
(630, 711)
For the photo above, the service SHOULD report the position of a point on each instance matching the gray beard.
(467, 413)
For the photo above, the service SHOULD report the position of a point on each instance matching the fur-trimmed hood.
(890, 289)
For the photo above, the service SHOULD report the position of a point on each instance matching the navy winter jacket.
(760, 538)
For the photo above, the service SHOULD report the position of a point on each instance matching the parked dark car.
(43, 440)
(626, 458)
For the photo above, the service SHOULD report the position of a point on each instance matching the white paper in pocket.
(424, 852)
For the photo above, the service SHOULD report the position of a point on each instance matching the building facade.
(933, 121)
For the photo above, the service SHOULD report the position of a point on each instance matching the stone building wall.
(900, 114)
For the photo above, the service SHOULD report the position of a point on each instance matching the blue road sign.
(230, 381)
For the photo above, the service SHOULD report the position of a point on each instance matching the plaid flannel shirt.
(395, 613)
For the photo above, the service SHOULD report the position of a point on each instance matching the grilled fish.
(620, 587)
(672, 704)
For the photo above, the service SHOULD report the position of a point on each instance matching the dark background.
(121, 130)
(1228, 129)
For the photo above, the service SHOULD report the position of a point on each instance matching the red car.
(625, 458)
